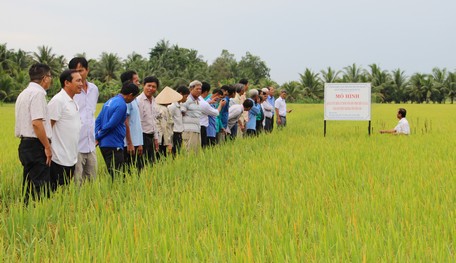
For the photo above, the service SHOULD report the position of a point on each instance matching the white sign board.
(348, 101)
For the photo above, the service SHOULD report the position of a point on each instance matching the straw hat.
(168, 96)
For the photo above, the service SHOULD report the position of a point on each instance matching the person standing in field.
(147, 114)
(66, 126)
(191, 112)
(403, 126)
(206, 111)
(33, 128)
(110, 130)
(176, 114)
(236, 112)
(271, 101)
(239, 125)
(214, 122)
(281, 109)
(133, 145)
(165, 120)
(253, 112)
(245, 115)
(86, 167)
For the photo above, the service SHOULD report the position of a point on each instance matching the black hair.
(402, 112)
(78, 60)
(127, 75)
(244, 81)
(247, 104)
(183, 90)
(206, 87)
(151, 79)
(38, 71)
(67, 75)
(217, 91)
(129, 87)
(231, 90)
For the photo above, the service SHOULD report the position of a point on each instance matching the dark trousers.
(268, 124)
(272, 123)
(259, 126)
(212, 141)
(148, 148)
(251, 132)
(36, 174)
(234, 131)
(177, 142)
(114, 159)
(203, 134)
(60, 175)
(133, 160)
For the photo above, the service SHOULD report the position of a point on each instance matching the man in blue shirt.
(110, 128)
(253, 112)
(269, 123)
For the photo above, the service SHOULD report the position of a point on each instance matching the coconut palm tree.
(107, 68)
(353, 74)
(311, 85)
(399, 84)
(293, 89)
(46, 56)
(451, 80)
(329, 75)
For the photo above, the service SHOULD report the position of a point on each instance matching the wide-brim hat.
(168, 96)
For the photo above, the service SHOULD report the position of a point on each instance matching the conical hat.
(168, 96)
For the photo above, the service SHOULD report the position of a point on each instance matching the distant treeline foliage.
(175, 66)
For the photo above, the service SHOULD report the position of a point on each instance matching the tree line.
(175, 65)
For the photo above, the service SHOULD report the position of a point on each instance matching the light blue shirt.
(253, 112)
(136, 132)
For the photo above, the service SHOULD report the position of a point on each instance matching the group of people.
(58, 139)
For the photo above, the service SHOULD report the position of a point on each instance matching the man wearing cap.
(253, 112)
(281, 109)
(147, 113)
(133, 143)
(191, 112)
(34, 129)
(110, 128)
(66, 125)
(165, 120)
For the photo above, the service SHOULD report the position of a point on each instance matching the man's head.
(71, 82)
(217, 94)
(184, 91)
(205, 88)
(271, 91)
(81, 65)
(401, 113)
(41, 74)
(248, 104)
(130, 75)
(239, 88)
(253, 94)
(195, 88)
(129, 91)
(283, 94)
(151, 84)
(245, 82)
(265, 93)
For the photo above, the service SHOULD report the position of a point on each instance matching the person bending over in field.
(403, 125)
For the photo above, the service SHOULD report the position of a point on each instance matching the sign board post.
(347, 102)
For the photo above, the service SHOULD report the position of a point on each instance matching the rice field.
(292, 195)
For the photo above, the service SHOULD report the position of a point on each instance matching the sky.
(290, 36)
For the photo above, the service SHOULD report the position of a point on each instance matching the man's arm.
(40, 132)
(130, 147)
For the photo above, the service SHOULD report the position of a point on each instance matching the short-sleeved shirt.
(87, 102)
(281, 106)
(65, 112)
(31, 105)
(402, 127)
(176, 114)
(134, 122)
(148, 114)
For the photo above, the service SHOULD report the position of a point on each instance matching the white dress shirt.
(87, 103)
(403, 127)
(281, 106)
(206, 110)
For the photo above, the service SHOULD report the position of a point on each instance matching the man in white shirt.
(66, 125)
(281, 109)
(33, 128)
(176, 114)
(402, 127)
(235, 112)
(206, 111)
(191, 114)
(268, 110)
(86, 167)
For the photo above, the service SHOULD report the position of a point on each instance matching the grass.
(293, 195)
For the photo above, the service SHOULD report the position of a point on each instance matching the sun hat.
(168, 96)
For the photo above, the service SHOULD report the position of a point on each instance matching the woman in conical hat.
(164, 119)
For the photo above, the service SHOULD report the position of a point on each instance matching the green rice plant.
(292, 195)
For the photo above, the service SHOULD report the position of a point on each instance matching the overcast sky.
(290, 36)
